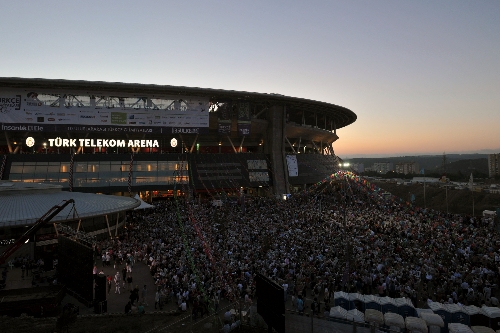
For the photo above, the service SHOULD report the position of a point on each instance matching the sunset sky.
(423, 77)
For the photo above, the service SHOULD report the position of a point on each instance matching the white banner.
(257, 164)
(293, 169)
(30, 107)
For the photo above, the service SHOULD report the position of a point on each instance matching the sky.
(423, 77)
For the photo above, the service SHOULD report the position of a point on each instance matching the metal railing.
(309, 323)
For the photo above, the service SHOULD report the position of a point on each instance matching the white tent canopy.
(472, 310)
(355, 315)
(459, 328)
(394, 319)
(340, 294)
(403, 301)
(436, 306)
(432, 319)
(356, 297)
(143, 205)
(490, 311)
(482, 329)
(415, 324)
(374, 317)
(338, 312)
(420, 311)
(453, 308)
(387, 300)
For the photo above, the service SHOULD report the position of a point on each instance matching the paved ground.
(116, 302)
(141, 276)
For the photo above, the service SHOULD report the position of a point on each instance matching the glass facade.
(40, 172)
(160, 173)
(101, 173)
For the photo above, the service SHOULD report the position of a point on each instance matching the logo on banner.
(177, 130)
(10, 103)
(30, 142)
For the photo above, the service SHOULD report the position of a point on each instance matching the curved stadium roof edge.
(25, 209)
(345, 115)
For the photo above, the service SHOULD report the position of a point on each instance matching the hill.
(465, 167)
(457, 167)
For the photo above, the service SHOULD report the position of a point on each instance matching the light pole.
(45, 147)
(344, 167)
(446, 192)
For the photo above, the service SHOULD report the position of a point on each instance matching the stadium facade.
(128, 138)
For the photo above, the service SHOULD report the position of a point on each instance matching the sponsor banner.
(293, 169)
(244, 120)
(28, 107)
(258, 176)
(224, 119)
(224, 129)
(186, 130)
(257, 164)
(10, 103)
(25, 128)
(244, 129)
(101, 129)
(244, 112)
(224, 112)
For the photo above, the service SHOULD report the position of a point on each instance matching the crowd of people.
(339, 236)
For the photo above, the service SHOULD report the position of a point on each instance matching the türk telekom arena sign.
(97, 143)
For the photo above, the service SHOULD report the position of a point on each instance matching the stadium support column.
(275, 137)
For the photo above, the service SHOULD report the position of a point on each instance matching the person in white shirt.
(227, 316)
(226, 328)
(117, 280)
(487, 292)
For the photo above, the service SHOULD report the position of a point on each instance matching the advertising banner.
(224, 118)
(244, 120)
(23, 110)
(293, 169)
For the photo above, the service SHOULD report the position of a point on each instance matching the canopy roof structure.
(341, 115)
(24, 203)
(143, 205)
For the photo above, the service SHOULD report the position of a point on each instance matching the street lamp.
(348, 251)
(446, 192)
(45, 147)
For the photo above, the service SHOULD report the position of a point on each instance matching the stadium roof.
(24, 203)
(341, 115)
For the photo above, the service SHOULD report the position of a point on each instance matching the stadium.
(121, 138)
(64, 138)
(341, 247)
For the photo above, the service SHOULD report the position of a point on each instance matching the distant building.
(358, 167)
(407, 168)
(494, 165)
(382, 167)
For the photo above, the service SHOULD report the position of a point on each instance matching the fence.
(240, 316)
(246, 319)
(296, 323)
